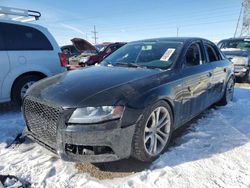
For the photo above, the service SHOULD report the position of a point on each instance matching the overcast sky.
(128, 20)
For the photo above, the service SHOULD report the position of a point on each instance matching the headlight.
(239, 60)
(96, 114)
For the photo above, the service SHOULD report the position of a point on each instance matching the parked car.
(104, 52)
(130, 104)
(80, 49)
(99, 47)
(238, 51)
(28, 53)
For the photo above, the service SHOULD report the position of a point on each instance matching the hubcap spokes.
(26, 87)
(230, 90)
(157, 130)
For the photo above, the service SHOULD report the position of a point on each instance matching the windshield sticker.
(166, 56)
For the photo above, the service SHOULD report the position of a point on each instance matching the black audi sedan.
(131, 103)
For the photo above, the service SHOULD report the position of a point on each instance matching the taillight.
(63, 59)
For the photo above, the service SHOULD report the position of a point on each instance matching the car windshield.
(153, 54)
(242, 44)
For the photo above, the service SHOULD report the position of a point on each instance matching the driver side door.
(196, 75)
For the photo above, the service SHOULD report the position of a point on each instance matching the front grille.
(42, 119)
(239, 68)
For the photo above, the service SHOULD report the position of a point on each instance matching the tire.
(228, 93)
(21, 85)
(246, 78)
(143, 139)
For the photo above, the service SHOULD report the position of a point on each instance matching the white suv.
(28, 53)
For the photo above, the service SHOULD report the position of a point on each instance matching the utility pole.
(245, 12)
(246, 18)
(237, 26)
(95, 34)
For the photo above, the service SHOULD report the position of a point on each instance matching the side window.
(66, 50)
(213, 54)
(73, 50)
(193, 55)
(18, 37)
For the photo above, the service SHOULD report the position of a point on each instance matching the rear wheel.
(21, 86)
(153, 133)
(228, 93)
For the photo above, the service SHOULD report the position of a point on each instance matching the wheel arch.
(31, 73)
(157, 94)
(169, 102)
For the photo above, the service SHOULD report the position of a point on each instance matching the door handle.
(209, 74)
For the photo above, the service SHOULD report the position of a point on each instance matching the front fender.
(169, 92)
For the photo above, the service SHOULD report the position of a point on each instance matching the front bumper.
(241, 70)
(82, 142)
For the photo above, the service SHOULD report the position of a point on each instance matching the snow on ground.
(215, 152)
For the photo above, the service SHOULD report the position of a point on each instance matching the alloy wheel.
(230, 90)
(25, 87)
(157, 131)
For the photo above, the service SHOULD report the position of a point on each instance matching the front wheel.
(228, 93)
(153, 132)
(246, 78)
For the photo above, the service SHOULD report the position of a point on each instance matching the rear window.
(213, 54)
(17, 37)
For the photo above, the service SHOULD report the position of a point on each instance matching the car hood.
(82, 45)
(233, 54)
(96, 85)
(236, 52)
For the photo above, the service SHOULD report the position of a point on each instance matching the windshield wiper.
(108, 63)
(127, 64)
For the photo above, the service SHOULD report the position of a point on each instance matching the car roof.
(238, 38)
(24, 24)
(117, 43)
(67, 45)
(174, 39)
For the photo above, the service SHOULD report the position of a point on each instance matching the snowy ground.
(214, 152)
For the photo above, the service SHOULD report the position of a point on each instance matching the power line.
(126, 12)
(158, 26)
(167, 21)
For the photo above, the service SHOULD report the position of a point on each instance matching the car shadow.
(9, 108)
(11, 123)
